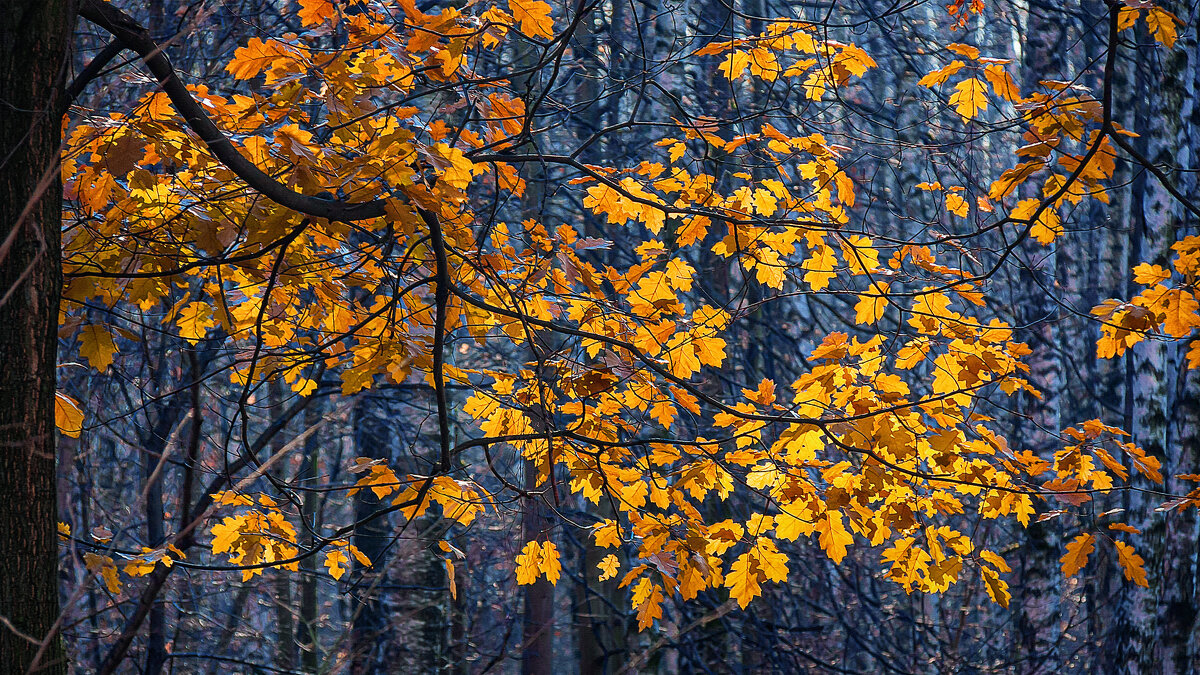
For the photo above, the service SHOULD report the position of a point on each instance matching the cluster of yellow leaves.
(970, 94)
(824, 64)
(460, 501)
(1082, 546)
(1171, 310)
(256, 537)
(863, 456)
(1163, 25)
(106, 568)
(538, 559)
(135, 566)
(337, 559)
(1063, 142)
(1084, 468)
(262, 537)
(933, 567)
(273, 295)
(1079, 468)
(661, 494)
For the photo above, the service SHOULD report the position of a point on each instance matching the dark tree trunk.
(537, 633)
(34, 37)
(285, 617)
(374, 644)
(310, 656)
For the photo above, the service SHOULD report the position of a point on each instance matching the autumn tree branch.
(135, 37)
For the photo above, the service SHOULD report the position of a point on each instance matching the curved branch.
(92, 70)
(134, 36)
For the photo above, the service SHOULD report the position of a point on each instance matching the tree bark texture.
(34, 38)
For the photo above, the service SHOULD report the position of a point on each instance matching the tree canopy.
(678, 304)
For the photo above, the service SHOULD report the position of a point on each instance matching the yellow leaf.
(742, 580)
(735, 64)
(1147, 465)
(258, 55)
(337, 562)
(764, 64)
(67, 415)
(608, 567)
(969, 97)
(834, 537)
(359, 556)
(529, 564)
(534, 17)
(1132, 563)
(1180, 308)
(96, 345)
(450, 578)
(856, 61)
(820, 266)
(956, 204)
(1045, 228)
(455, 168)
(765, 202)
(940, 75)
(871, 306)
(1077, 554)
(650, 608)
(316, 12)
(1193, 354)
(194, 320)
(771, 561)
(816, 84)
(1162, 26)
(964, 50)
(1127, 17)
(607, 534)
(997, 588)
(860, 254)
(550, 564)
(995, 560)
(1002, 83)
(380, 479)
(107, 569)
(1150, 275)
(141, 566)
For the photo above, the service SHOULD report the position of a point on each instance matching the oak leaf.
(1132, 564)
(997, 588)
(1076, 557)
(68, 417)
(97, 346)
(534, 17)
(969, 97)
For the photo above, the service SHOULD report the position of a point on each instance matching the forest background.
(650, 336)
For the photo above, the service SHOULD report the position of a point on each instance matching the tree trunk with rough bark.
(34, 38)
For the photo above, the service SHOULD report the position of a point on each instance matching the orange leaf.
(997, 588)
(1133, 564)
(969, 97)
(96, 345)
(67, 415)
(1076, 557)
(534, 17)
